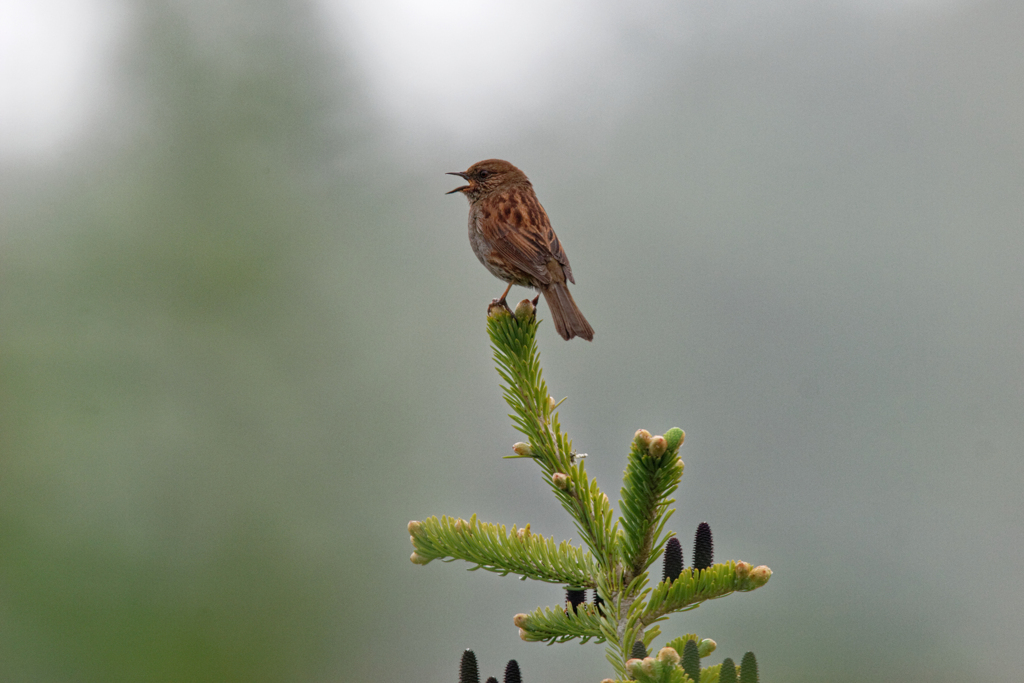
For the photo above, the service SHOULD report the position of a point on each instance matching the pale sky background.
(425, 64)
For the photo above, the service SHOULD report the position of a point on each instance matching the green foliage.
(710, 674)
(617, 553)
(648, 483)
(492, 547)
(690, 590)
(534, 414)
(558, 625)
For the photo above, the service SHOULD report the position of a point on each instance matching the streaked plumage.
(512, 236)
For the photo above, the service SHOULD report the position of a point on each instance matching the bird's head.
(487, 177)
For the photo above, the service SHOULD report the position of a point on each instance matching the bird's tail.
(569, 322)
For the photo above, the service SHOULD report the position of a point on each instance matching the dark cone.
(703, 548)
(673, 561)
(491, 679)
(727, 674)
(512, 672)
(468, 672)
(575, 598)
(748, 669)
(691, 660)
(638, 651)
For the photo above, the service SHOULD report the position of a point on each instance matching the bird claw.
(498, 303)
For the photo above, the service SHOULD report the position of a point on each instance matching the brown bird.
(511, 235)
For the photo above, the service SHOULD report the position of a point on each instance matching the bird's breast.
(476, 237)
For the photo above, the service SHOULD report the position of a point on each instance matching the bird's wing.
(517, 226)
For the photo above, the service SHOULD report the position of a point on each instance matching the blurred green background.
(242, 332)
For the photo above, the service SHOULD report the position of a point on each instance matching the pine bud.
(521, 620)
(525, 310)
(560, 480)
(674, 437)
(414, 527)
(759, 576)
(742, 570)
(461, 525)
(649, 665)
(706, 647)
(668, 655)
(522, 448)
(418, 559)
(551, 404)
(633, 667)
(497, 310)
(658, 447)
(642, 439)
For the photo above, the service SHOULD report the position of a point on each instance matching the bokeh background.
(242, 333)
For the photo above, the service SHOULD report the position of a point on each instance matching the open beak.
(462, 175)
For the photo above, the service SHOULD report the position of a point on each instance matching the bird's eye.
(483, 173)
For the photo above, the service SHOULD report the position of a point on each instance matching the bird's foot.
(498, 303)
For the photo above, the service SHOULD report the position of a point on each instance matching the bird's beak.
(462, 175)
